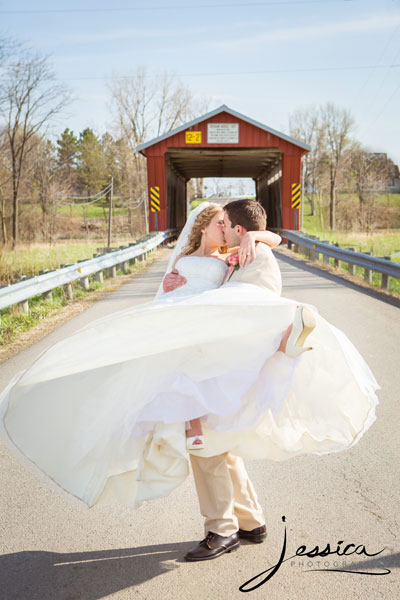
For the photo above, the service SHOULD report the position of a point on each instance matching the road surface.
(53, 550)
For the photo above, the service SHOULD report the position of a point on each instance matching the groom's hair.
(247, 213)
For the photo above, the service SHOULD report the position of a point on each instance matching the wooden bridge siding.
(250, 136)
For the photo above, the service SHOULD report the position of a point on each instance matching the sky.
(264, 59)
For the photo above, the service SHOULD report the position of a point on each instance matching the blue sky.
(261, 58)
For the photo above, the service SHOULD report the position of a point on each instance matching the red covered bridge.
(223, 143)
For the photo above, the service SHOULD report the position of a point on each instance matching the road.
(53, 550)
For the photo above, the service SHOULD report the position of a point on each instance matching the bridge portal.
(223, 143)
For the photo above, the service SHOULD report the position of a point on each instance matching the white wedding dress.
(102, 413)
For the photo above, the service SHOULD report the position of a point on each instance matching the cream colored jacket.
(263, 271)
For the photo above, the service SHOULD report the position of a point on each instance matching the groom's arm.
(172, 281)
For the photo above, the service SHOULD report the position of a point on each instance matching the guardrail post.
(124, 266)
(48, 295)
(24, 307)
(68, 291)
(385, 278)
(84, 281)
(289, 245)
(112, 272)
(368, 272)
(336, 260)
(352, 267)
(325, 257)
(132, 261)
(100, 277)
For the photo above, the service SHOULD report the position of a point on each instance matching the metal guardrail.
(19, 293)
(369, 263)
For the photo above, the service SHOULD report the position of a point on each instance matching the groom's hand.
(172, 281)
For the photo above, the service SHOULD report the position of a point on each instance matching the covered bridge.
(223, 143)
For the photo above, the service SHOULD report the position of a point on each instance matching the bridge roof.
(234, 113)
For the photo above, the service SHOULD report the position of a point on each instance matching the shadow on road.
(84, 575)
(340, 280)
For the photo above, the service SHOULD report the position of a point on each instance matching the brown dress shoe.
(213, 546)
(256, 535)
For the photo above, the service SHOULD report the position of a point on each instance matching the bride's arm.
(173, 280)
(247, 248)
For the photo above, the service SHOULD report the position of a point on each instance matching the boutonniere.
(233, 263)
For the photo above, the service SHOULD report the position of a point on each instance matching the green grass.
(380, 242)
(92, 211)
(41, 257)
(14, 323)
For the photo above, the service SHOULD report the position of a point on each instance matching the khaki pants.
(226, 495)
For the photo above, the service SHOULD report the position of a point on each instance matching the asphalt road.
(53, 550)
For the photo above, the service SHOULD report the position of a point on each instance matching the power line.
(264, 72)
(171, 7)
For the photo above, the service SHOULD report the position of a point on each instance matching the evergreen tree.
(67, 153)
(92, 164)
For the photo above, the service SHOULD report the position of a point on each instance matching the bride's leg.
(194, 435)
(194, 427)
(282, 345)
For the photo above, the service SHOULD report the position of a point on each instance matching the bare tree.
(305, 125)
(145, 105)
(337, 124)
(366, 173)
(29, 99)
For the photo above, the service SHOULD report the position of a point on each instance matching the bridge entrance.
(223, 143)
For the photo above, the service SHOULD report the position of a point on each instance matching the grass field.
(93, 211)
(14, 323)
(29, 259)
(380, 242)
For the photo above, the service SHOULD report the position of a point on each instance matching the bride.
(102, 413)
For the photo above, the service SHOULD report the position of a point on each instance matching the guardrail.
(314, 247)
(19, 293)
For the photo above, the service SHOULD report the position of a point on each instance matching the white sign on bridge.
(222, 133)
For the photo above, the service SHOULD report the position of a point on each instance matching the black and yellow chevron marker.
(155, 199)
(296, 195)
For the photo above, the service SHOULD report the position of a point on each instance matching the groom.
(226, 495)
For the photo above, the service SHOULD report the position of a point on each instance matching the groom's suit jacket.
(263, 271)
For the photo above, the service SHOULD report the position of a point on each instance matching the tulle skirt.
(102, 413)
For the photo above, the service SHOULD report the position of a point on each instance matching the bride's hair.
(204, 219)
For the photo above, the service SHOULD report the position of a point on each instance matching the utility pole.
(146, 216)
(303, 173)
(110, 212)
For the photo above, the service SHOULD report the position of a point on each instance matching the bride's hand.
(247, 248)
(172, 281)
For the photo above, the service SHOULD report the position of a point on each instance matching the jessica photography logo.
(304, 557)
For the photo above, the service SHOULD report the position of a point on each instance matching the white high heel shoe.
(195, 442)
(303, 325)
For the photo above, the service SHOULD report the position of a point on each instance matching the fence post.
(368, 272)
(336, 260)
(385, 278)
(325, 257)
(24, 307)
(352, 267)
(84, 283)
(68, 291)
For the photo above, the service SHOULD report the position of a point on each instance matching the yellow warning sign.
(296, 195)
(155, 199)
(193, 137)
